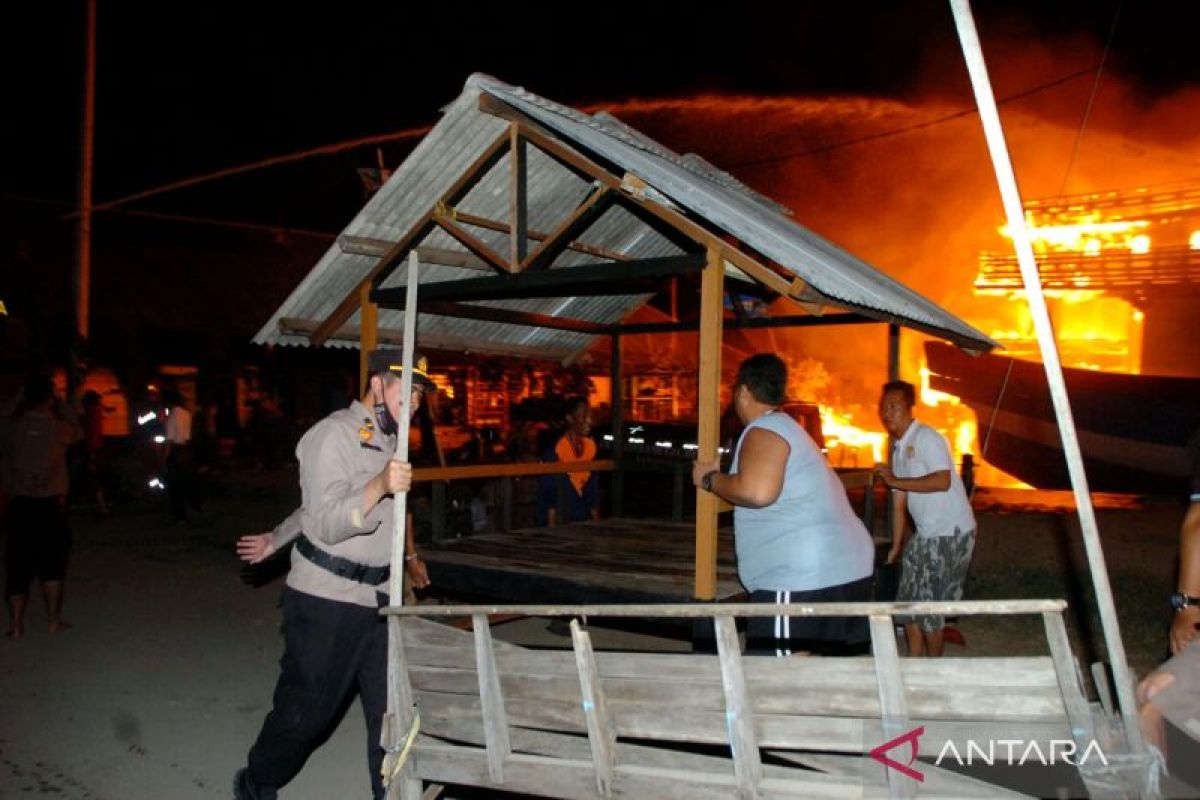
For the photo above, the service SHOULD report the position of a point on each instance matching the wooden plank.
(566, 778)
(777, 697)
(602, 734)
(696, 610)
(378, 248)
(466, 218)
(937, 780)
(473, 243)
(708, 433)
(518, 201)
(681, 723)
(893, 705)
(751, 323)
(575, 225)
(1068, 679)
(510, 317)
(491, 700)
(630, 277)
(743, 743)
(509, 470)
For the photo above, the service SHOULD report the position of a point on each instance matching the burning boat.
(1137, 432)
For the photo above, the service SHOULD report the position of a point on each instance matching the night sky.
(188, 89)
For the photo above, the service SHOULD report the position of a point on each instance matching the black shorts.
(38, 542)
(782, 636)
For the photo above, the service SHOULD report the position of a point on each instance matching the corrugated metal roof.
(465, 132)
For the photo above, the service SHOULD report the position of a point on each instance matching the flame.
(1088, 235)
(844, 435)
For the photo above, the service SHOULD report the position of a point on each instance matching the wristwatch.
(706, 481)
(1180, 601)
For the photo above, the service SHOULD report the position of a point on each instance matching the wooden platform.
(610, 561)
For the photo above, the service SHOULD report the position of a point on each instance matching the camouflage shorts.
(934, 568)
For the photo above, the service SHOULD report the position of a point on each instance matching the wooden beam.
(477, 247)
(521, 470)
(633, 277)
(368, 334)
(791, 285)
(518, 200)
(709, 413)
(467, 218)
(602, 733)
(491, 700)
(739, 711)
(510, 317)
(573, 226)
(486, 160)
(789, 321)
(378, 248)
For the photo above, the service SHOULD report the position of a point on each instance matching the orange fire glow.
(848, 444)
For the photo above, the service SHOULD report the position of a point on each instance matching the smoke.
(908, 185)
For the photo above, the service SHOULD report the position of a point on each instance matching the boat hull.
(1136, 433)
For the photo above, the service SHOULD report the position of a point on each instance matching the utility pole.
(83, 261)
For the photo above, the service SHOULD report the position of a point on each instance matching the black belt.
(342, 567)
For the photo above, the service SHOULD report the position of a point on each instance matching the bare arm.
(899, 525)
(759, 478)
(1183, 627)
(936, 481)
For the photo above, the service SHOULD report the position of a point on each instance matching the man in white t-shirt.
(926, 486)
(182, 485)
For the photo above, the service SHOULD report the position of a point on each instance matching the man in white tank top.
(797, 538)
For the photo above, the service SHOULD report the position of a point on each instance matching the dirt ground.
(159, 688)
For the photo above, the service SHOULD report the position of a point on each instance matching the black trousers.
(182, 485)
(331, 650)
(38, 544)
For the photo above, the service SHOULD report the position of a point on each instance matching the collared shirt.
(920, 451)
(338, 457)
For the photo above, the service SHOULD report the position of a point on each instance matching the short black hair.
(38, 389)
(906, 390)
(765, 375)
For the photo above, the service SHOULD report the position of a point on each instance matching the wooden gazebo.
(539, 227)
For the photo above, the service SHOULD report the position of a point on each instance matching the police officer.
(335, 640)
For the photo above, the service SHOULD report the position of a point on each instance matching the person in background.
(924, 484)
(335, 641)
(182, 487)
(34, 441)
(93, 440)
(797, 538)
(1172, 692)
(576, 491)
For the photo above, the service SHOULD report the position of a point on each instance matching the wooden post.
(617, 404)
(893, 704)
(368, 333)
(739, 715)
(78, 350)
(491, 699)
(518, 239)
(712, 285)
(1010, 193)
(893, 374)
(602, 732)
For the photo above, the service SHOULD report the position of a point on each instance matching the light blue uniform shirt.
(810, 537)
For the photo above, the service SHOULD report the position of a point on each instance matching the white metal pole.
(1011, 195)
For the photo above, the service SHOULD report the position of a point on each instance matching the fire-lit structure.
(1122, 272)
